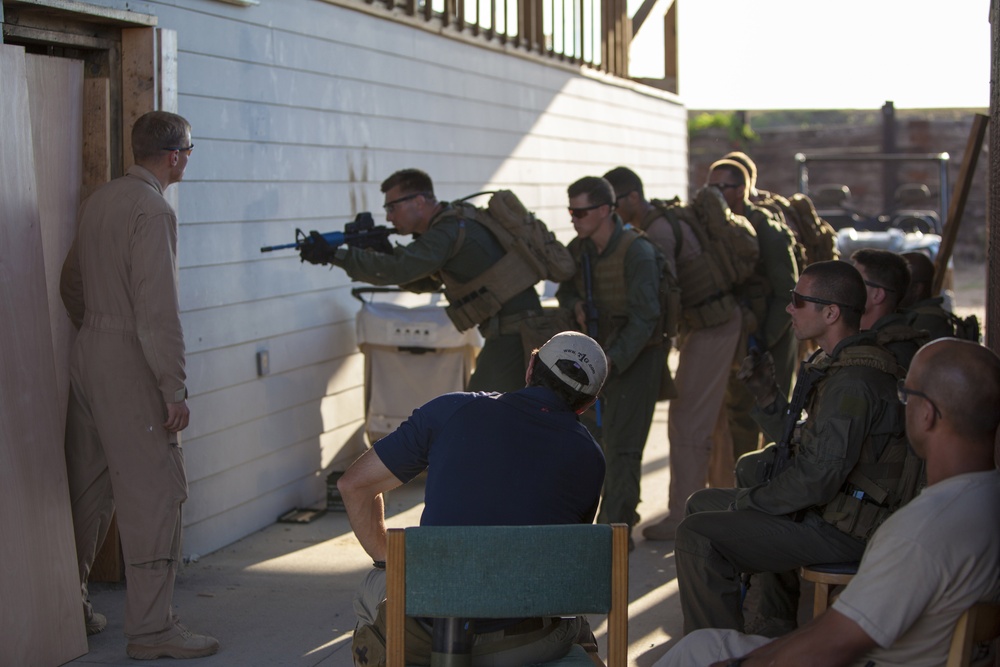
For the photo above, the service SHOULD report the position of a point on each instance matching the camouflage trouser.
(715, 546)
(627, 404)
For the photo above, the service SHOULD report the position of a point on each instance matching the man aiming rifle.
(449, 249)
(362, 233)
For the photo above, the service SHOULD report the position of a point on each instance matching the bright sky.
(827, 54)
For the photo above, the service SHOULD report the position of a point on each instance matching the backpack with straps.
(532, 253)
(517, 229)
(966, 328)
(816, 236)
(729, 239)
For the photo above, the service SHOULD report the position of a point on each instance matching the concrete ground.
(282, 596)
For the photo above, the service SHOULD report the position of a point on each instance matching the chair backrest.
(508, 572)
(979, 623)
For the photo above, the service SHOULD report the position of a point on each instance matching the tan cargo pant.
(706, 356)
(118, 455)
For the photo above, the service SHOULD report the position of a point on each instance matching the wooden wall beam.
(139, 82)
(96, 135)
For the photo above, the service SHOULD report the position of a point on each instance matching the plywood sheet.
(41, 612)
(55, 92)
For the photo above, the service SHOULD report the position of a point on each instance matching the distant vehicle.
(910, 225)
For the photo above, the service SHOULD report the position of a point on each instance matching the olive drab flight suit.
(119, 285)
(626, 277)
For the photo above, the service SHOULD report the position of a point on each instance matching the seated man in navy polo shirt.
(520, 458)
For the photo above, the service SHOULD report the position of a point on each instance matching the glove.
(316, 250)
(757, 375)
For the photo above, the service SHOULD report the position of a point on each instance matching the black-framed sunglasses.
(623, 195)
(182, 149)
(871, 284)
(582, 211)
(903, 394)
(390, 205)
(722, 187)
(800, 300)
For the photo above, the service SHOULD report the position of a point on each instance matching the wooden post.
(960, 196)
(992, 324)
(671, 71)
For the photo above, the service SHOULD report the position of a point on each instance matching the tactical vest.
(609, 288)
(706, 298)
(473, 302)
(881, 481)
(901, 339)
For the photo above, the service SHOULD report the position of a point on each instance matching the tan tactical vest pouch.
(472, 303)
(705, 302)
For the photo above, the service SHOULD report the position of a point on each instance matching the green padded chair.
(509, 572)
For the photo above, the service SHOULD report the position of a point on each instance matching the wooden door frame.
(130, 67)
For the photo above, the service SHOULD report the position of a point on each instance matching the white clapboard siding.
(300, 108)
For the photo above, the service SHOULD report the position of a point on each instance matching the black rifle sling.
(806, 381)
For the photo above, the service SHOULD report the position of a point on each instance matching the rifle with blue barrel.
(317, 248)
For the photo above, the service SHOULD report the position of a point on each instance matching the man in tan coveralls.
(127, 402)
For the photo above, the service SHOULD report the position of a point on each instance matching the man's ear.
(531, 367)
(586, 407)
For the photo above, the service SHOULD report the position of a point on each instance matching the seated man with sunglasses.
(928, 563)
(847, 472)
(887, 279)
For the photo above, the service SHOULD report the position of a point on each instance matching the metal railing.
(594, 33)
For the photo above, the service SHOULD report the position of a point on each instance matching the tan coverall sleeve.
(156, 304)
